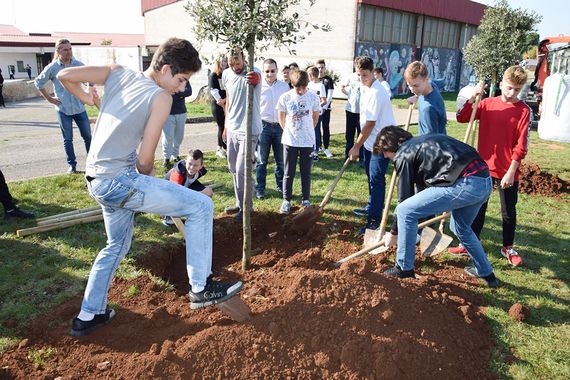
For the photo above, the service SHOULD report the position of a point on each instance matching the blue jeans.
(172, 135)
(65, 123)
(376, 166)
(318, 134)
(463, 198)
(270, 137)
(129, 192)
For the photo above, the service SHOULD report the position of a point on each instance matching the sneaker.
(231, 209)
(362, 212)
(17, 213)
(285, 208)
(490, 280)
(71, 169)
(167, 165)
(178, 159)
(167, 221)
(214, 292)
(315, 156)
(260, 194)
(512, 256)
(305, 203)
(458, 251)
(238, 217)
(81, 328)
(328, 153)
(397, 272)
(220, 152)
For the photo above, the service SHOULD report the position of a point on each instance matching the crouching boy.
(454, 177)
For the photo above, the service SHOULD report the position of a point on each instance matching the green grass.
(449, 99)
(193, 110)
(41, 271)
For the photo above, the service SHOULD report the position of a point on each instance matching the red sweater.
(503, 132)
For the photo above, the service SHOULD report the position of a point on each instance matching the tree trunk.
(247, 195)
(493, 85)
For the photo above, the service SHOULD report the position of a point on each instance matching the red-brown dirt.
(534, 181)
(310, 321)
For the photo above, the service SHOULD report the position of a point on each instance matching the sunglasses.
(269, 71)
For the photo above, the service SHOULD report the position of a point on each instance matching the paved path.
(31, 144)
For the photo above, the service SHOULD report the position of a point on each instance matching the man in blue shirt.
(68, 107)
(432, 115)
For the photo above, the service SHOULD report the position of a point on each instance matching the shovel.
(306, 218)
(371, 236)
(381, 248)
(233, 307)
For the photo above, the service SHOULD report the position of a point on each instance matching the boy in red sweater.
(503, 142)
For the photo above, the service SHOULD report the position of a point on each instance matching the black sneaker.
(167, 165)
(167, 221)
(71, 169)
(17, 213)
(260, 194)
(81, 328)
(489, 280)
(368, 226)
(231, 209)
(396, 271)
(214, 292)
(362, 212)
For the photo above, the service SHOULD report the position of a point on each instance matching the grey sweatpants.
(236, 163)
(290, 154)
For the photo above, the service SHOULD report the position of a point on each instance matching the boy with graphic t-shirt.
(502, 143)
(298, 116)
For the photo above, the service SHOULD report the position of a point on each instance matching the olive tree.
(500, 41)
(254, 26)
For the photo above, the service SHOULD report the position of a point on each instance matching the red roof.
(12, 36)
(464, 11)
(149, 5)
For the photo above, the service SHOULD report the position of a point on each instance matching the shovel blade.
(373, 237)
(235, 308)
(433, 242)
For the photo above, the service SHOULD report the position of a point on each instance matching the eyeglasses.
(269, 71)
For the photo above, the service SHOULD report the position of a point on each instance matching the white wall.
(126, 56)
(336, 47)
(10, 58)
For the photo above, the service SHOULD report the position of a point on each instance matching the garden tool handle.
(333, 185)
(472, 119)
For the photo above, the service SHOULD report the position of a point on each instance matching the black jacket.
(430, 160)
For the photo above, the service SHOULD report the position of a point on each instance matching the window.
(20, 65)
(386, 25)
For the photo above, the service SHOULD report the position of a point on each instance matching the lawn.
(193, 110)
(41, 271)
(449, 99)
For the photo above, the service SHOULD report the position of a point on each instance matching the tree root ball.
(518, 312)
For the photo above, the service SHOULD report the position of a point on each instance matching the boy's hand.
(412, 99)
(508, 179)
(95, 97)
(208, 191)
(389, 239)
(479, 90)
(252, 78)
(54, 100)
(221, 102)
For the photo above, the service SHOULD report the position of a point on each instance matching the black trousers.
(5, 197)
(220, 118)
(2, 104)
(290, 154)
(326, 125)
(508, 198)
(351, 132)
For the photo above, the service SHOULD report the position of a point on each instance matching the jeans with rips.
(129, 192)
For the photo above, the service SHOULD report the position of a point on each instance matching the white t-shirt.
(320, 90)
(386, 87)
(270, 94)
(375, 106)
(299, 129)
(353, 96)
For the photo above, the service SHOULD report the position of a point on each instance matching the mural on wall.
(442, 67)
(392, 58)
(467, 75)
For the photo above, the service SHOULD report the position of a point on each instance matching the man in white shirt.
(375, 114)
(271, 90)
(235, 80)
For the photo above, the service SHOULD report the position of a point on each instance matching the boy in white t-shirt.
(318, 88)
(375, 114)
(298, 116)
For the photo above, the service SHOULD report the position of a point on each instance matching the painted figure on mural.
(394, 74)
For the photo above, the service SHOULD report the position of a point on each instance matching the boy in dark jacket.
(454, 177)
(187, 173)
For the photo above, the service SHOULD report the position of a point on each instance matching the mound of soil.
(309, 320)
(534, 181)
(519, 312)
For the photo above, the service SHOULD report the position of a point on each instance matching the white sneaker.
(328, 153)
(285, 208)
(305, 203)
(220, 152)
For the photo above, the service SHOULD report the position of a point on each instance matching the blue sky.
(554, 14)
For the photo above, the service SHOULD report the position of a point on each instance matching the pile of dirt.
(309, 320)
(534, 181)
(519, 312)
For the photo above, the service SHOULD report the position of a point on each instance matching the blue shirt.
(179, 100)
(70, 105)
(433, 117)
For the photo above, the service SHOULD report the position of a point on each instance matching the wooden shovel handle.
(333, 185)
(470, 128)
(394, 179)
